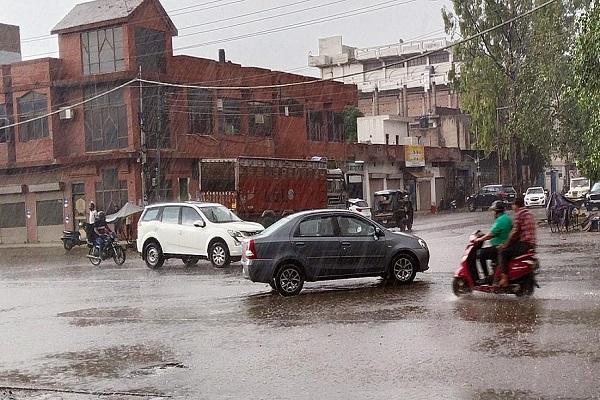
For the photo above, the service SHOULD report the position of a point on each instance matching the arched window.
(33, 105)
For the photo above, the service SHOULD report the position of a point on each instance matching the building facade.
(142, 141)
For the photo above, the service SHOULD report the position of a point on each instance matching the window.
(4, 121)
(189, 216)
(417, 61)
(105, 120)
(397, 139)
(355, 227)
(387, 138)
(49, 212)
(33, 105)
(316, 227)
(150, 48)
(338, 127)
(102, 51)
(315, 123)
(230, 121)
(292, 108)
(12, 215)
(111, 193)
(261, 119)
(151, 215)
(219, 214)
(156, 118)
(200, 104)
(170, 215)
(184, 189)
(439, 58)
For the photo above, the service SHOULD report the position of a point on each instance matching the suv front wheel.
(218, 253)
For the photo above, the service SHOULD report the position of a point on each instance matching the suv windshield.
(219, 214)
(596, 187)
(579, 183)
(361, 203)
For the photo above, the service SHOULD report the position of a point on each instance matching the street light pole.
(142, 141)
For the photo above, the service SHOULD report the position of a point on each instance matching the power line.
(332, 17)
(46, 37)
(304, 83)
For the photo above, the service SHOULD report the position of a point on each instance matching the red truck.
(264, 189)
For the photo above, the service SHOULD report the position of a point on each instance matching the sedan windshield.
(219, 214)
(535, 191)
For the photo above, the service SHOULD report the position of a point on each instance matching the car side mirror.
(199, 223)
(379, 233)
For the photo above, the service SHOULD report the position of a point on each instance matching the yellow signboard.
(414, 156)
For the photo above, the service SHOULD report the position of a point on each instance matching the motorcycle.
(111, 249)
(521, 276)
(72, 239)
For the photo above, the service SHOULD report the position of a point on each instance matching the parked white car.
(535, 196)
(578, 189)
(192, 231)
(360, 206)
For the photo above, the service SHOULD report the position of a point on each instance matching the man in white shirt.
(93, 213)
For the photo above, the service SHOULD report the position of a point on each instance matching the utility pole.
(477, 161)
(143, 148)
(159, 145)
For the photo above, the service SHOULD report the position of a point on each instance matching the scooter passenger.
(522, 238)
(498, 235)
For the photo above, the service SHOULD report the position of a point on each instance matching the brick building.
(52, 167)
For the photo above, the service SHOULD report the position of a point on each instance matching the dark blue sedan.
(330, 244)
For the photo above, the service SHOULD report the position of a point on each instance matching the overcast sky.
(286, 50)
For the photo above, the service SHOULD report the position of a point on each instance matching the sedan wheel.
(404, 269)
(219, 255)
(289, 280)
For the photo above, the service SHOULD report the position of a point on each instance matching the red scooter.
(521, 276)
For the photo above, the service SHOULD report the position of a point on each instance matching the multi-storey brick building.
(52, 167)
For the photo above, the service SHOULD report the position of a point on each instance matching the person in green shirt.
(497, 236)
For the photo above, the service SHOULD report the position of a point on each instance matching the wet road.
(201, 333)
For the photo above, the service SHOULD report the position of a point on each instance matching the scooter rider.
(522, 238)
(497, 236)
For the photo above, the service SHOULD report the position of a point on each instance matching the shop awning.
(127, 210)
(420, 174)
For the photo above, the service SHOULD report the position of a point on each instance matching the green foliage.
(584, 94)
(351, 114)
(512, 80)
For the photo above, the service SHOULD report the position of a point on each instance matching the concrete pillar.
(398, 104)
(367, 184)
(434, 98)
(405, 101)
(376, 101)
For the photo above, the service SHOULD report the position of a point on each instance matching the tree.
(511, 80)
(584, 96)
(351, 114)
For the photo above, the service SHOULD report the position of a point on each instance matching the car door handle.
(299, 244)
(346, 244)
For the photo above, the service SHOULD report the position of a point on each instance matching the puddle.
(109, 362)
(102, 316)
(159, 368)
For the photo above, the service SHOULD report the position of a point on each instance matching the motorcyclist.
(497, 236)
(101, 230)
(522, 238)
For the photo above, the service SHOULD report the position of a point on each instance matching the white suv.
(191, 231)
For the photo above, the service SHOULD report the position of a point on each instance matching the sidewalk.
(52, 245)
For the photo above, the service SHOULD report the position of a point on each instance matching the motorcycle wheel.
(94, 252)
(68, 245)
(460, 287)
(119, 255)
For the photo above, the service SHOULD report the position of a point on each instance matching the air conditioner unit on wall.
(66, 113)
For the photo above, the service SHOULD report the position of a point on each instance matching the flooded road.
(201, 333)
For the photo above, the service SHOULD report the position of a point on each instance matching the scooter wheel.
(460, 287)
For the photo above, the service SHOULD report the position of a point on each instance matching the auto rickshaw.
(393, 209)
